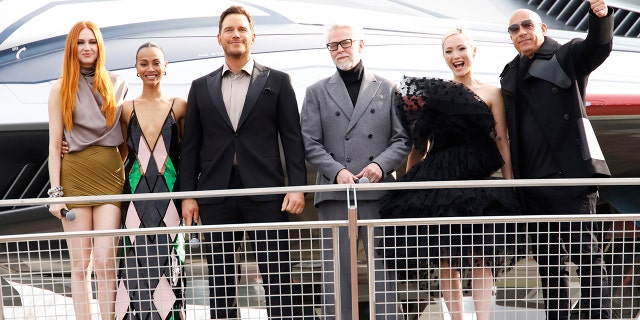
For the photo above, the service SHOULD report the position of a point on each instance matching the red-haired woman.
(84, 111)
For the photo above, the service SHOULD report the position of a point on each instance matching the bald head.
(518, 14)
(527, 31)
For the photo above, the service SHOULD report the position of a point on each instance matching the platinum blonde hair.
(457, 31)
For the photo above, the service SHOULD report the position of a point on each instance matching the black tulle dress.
(460, 128)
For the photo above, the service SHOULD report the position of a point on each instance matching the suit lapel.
(337, 91)
(214, 82)
(508, 77)
(368, 89)
(255, 89)
(509, 85)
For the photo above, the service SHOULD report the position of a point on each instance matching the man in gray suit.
(351, 131)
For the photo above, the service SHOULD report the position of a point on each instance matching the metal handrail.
(494, 183)
(351, 222)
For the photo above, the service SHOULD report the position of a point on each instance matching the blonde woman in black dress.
(458, 131)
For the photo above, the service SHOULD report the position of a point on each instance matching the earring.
(138, 75)
(165, 73)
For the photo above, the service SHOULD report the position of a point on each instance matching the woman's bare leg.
(451, 287)
(482, 292)
(80, 254)
(106, 217)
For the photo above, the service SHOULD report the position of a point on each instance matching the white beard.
(346, 65)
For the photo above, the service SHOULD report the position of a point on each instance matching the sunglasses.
(527, 24)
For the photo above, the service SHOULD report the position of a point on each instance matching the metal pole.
(337, 271)
(353, 251)
(1, 299)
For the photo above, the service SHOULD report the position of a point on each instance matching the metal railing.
(35, 268)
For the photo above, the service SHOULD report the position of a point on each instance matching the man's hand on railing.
(190, 211)
(293, 202)
(345, 177)
(372, 171)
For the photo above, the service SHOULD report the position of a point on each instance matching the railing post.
(1, 300)
(353, 250)
(337, 271)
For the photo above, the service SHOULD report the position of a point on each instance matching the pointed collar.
(248, 68)
(547, 50)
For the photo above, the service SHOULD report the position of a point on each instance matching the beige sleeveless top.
(89, 124)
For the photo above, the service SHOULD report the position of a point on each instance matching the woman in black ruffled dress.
(458, 131)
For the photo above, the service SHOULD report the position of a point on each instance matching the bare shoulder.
(55, 86)
(490, 93)
(179, 102)
(180, 107)
(127, 109)
(54, 95)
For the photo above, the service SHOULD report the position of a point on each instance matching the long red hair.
(71, 76)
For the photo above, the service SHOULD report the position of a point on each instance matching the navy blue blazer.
(270, 115)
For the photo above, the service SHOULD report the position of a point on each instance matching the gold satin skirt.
(94, 171)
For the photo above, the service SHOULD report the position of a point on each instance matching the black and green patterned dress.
(150, 283)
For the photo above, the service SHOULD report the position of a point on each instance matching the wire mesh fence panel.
(477, 270)
(419, 269)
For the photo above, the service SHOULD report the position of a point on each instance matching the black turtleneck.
(352, 80)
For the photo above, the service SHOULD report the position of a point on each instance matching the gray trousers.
(385, 288)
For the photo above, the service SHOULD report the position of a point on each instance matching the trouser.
(386, 305)
(271, 251)
(557, 243)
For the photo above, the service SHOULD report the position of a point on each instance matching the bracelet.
(55, 192)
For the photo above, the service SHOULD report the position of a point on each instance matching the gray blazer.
(336, 135)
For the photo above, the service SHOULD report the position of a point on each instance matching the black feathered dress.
(459, 127)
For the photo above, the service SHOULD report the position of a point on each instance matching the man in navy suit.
(236, 118)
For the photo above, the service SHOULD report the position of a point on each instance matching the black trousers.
(271, 251)
(561, 242)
